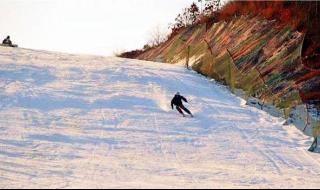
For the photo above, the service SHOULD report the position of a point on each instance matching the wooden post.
(307, 120)
(314, 145)
(209, 47)
(187, 58)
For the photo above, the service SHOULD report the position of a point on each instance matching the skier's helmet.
(178, 93)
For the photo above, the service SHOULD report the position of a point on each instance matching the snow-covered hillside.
(69, 121)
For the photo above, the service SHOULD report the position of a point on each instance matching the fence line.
(229, 76)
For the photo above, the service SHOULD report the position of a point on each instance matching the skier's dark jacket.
(177, 100)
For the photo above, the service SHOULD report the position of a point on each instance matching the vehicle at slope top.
(8, 43)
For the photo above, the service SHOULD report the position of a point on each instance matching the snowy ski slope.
(69, 121)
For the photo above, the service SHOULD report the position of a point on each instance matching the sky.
(99, 27)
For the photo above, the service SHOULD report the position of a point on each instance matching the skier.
(177, 101)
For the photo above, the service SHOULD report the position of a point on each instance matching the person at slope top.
(7, 41)
(177, 101)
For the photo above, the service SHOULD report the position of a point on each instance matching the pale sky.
(100, 27)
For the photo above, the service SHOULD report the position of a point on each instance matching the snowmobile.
(7, 45)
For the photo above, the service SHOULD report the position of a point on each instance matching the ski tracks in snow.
(108, 123)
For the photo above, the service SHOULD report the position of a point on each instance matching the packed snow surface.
(69, 121)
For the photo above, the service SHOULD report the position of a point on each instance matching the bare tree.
(188, 17)
(157, 36)
(211, 6)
